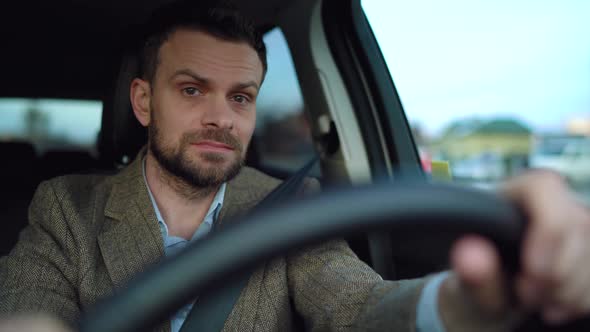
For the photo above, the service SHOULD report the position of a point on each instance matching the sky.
(527, 59)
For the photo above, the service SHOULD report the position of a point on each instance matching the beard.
(209, 173)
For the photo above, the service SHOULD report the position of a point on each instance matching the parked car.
(570, 156)
(485, 167)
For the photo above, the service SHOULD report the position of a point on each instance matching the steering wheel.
(401, 208)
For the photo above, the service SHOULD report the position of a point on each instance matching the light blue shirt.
(427, 317)
(174, 244)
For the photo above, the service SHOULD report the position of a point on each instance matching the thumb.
(477, 265)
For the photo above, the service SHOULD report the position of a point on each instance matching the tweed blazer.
(90, 234)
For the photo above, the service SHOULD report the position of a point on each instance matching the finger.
(538, 274)
(477, 265)
(555, 249)
(544, 198)
(555, 315)
(567, 269)
(540, 248)
(529, 294)
(554, 256)
(571, 289)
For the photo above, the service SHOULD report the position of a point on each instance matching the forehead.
(210, 56)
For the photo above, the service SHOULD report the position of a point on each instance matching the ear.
(140, 95)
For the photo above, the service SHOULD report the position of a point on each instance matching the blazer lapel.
(130, 239)
(243, 193)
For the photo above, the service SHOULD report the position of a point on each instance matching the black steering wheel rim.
(399, 207)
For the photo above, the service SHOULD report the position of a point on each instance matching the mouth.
(213, 146)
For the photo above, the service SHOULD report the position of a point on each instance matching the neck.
(182, 206)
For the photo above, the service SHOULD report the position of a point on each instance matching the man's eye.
(191, 91)
(240, 99)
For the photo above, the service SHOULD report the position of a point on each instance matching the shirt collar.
(211, 215)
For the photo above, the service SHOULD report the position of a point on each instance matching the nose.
(218, 114)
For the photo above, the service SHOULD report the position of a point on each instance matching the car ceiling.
(71, 48)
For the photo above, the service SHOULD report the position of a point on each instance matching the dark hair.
(221, 20)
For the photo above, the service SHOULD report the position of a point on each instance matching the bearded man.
(201, 71)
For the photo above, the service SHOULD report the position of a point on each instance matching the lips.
(213, 140)
(213, 145)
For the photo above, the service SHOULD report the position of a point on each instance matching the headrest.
(60, 162)
(19, 170)
(122, 136)
(17, 152)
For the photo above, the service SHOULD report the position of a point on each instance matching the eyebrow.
(205, 81)
(192, 74)
(245, 85)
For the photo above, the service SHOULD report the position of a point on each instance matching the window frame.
(386, 131)
(255, 156)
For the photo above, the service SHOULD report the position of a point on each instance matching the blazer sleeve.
(40, 275)
(333, 290)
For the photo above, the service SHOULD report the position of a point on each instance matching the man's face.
(202, 106)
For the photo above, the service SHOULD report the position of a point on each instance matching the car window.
(51, 124)
(282, 135)
(492, 87)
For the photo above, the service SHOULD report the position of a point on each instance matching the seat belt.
(211, 310)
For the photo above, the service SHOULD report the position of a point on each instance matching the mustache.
(218, 135)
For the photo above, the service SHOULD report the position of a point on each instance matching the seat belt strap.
(211, 309)
(288, 188)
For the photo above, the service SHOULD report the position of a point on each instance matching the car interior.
(82, 50)
(351, 116)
